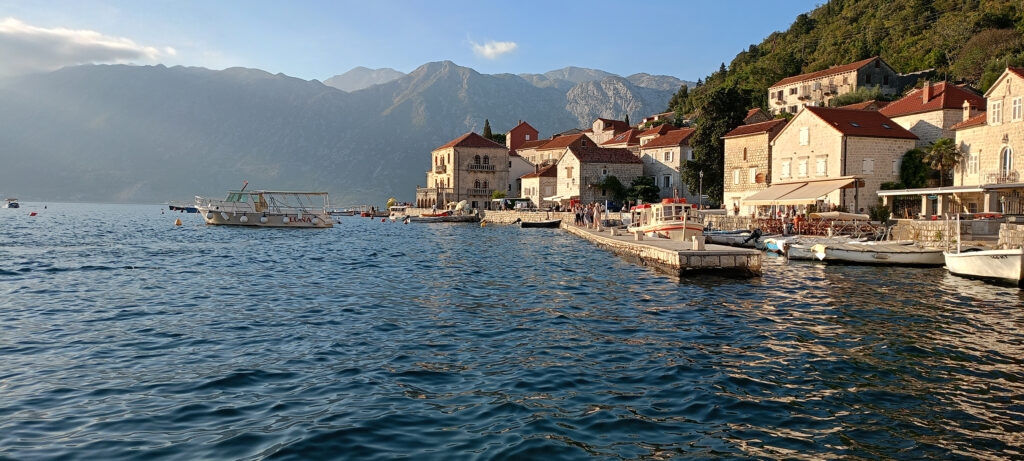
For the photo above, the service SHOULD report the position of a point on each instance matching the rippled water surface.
(126, 337)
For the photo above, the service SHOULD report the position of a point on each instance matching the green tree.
(943, 156)
(723, 110)
(498, 194)
(913, 170)
(859, 95)
(643, 188)
(626, 119)
(487, 129)
(613, 186)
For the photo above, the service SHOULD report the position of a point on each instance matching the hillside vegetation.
(969, 41)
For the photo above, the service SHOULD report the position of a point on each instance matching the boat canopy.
(840, 216)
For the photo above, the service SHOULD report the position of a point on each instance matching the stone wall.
(1011, 235)
(744, 153)
(723, 222)
(937, 233)
(509, 217)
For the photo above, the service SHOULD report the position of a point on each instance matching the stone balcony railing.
(475, 191)
(1002, 177)
(475, 167)
(440, 168)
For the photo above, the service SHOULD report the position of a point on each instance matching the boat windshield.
(237, 197)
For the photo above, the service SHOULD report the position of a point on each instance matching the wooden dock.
(674, 256)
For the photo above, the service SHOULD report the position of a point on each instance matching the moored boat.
(444, 218)
(262, 208)
(11, 203)
(1005, 266)
(397, 212)
(540, 224)
(881, 253)
(672, 219)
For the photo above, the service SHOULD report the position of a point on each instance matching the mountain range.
(151, 133)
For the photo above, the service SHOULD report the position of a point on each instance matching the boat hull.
(888, 255)
(1001, 265)
(433, 219)
(541, 224)
(255, 219)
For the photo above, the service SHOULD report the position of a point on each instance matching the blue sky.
(318, 39)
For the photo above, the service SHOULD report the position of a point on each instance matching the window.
(1006, 161)
(485, 184)
(867, 79)
(668, 156)
(568, 172)
(996, 110)
(527, 137)
(744, 153)
(885, 80)
(476, 184)
(753, 175)
(792, 109)
(804, 136)
(666, 181)
(802, 168)
(792, 90)
(785, 169)
(867, 165)
(821, 167)
(736, 176)
(476, 160)
(689, 154)
(1016, 113)
(855, 124)
(896, 165)
(846, 79)
(487, 160)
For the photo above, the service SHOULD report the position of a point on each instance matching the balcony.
(440, 168)
(475, 167)
(473, 191)
(1002, 177)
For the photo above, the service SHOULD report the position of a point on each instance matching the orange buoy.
(177, 222)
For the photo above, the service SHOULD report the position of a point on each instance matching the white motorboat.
(11, 203)
(882, 253)
(263, 208)
(397, 212)
(1000, 265)
(672, 219)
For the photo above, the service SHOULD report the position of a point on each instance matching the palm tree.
(943, 155)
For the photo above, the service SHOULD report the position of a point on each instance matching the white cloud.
(493, 49)
(25, 48)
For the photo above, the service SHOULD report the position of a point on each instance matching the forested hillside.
(969, 41)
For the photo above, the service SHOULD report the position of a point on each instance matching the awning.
(553, 198)
(772, 193)
(798, 193)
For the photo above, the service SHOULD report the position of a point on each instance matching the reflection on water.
(126, 337)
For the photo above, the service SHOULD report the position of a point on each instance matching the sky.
(319, 39)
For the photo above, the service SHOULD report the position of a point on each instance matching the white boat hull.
(258, 219)
(882, 254)
(1003, 265)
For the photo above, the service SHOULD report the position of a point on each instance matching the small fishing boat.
(264, 208)
(397, 212)
(672, 219)
(11, 203)
(776, 245)
(538, 224)
(182, 207)
(444, 218)
(881, 253)
(1005, 266)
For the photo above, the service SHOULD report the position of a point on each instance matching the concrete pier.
(674, 256)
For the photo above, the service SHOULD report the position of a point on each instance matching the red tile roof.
(866, 105)
(943, 96)
(824, 73)
(562, 142)
(772, 127)
(658, 130)
(630, 137)
(864, 123)
(604, 154)
(672, 138)
(1017, 70)
(550, 171)
(523, 125)
(470, 139)
(616, 125)
(977, 120)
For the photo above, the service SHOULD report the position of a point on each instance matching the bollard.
(638, 236)
(613, 232)
(698, 243)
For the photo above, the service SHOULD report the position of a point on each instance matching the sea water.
(123, 336)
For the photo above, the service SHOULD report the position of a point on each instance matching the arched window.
(476, 159)
(1006, 161)
(485, 184)
(476, 184)
(487, 160)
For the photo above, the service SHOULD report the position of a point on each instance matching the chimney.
(967, 109)
(926, 92)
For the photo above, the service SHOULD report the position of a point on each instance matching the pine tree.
(627, 119)
(487, 129)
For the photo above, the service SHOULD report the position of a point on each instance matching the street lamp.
(700, 191)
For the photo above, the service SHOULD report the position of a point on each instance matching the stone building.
(469, 168)
(517, 167)
(819, 88)
(828, 156)
(629, 139)
(663, 158)
(666, 117)
(651, 133)
(604, 129)
(756, 115)
(553, 148)
(931, 111)
(540, 184)
(748, 153)
(866, 105)
(581, 171)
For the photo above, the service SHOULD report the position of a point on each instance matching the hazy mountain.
(361, 77)
(658, 82)
(577, 74)
(152, 133)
